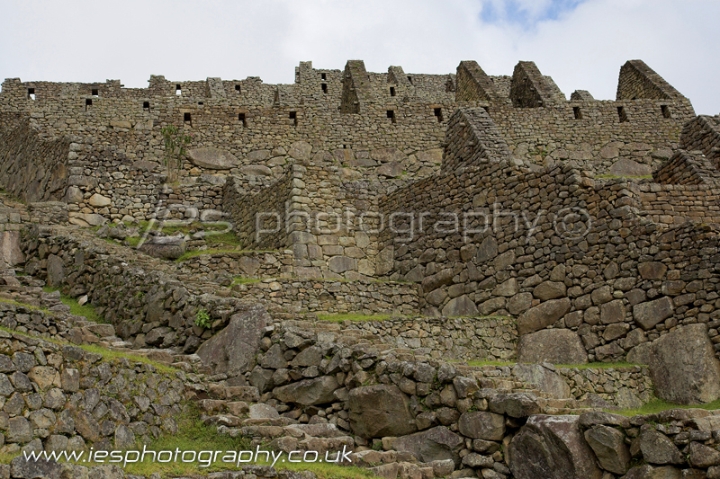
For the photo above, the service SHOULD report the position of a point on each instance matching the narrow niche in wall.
(487, 109)
(237, 88)
(88, 103)
(665, 110)
(95, 92)
(323, 76)
(146, 105)
(622, 114)
(391, 115)
(410, 79)
(324, 87)
(392, 91)
(577, 113)
(31, 93)
(178, 90)
(187, 118)
(242, 119)
(293, 117)
(438, 114)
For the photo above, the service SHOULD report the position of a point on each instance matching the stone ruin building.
(527, 264)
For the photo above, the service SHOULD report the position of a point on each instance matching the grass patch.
(480, 363)
(223, 240)
(114, 354)
(340, 317)
(25, 305)
(658, 405)
(133, 241)
(618, 365)
(241, 280)
(86, 310)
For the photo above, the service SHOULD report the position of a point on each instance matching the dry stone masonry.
(459, 275)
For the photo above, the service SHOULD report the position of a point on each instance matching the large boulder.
(10, 252)
(213, 158)
(55, 271)
(684, 368)
(609, 446)
(650, 313)
(232, 351)
(436, 444)
(543, 315)
(543, 379)
(482, 425)
(556, 346)
(552, 447)
(380, 410)
(164, 247)
(308, 392)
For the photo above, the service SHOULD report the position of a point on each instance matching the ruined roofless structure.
(491, 218)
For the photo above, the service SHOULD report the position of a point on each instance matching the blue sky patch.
(517, 12)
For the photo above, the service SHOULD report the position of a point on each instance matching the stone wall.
(62, 397)
(601, 274)
(31, 168)
(362, 297)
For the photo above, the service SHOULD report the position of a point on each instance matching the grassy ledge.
(598, 365)
(241, 280)
(354, 317)
(86, 310)
(658, 405)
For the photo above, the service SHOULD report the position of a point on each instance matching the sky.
(580, 43)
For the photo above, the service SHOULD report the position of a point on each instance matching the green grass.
(340, 317)
(86, 310)
(618, 365)
(223, 240)
(241, 280)
(480, 363)
(133, 241)
(25, 305)
(658, 405)
(115, 354)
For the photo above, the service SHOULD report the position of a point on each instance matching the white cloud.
(583, 48)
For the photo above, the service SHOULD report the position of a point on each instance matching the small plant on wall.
(175, 150)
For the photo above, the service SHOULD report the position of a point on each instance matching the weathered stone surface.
(98, 201)
(482, 425)
(543, 315)
(10, 251)
(232, 351)
(609, 447)
(612, 312)
(213, 158)
(436, 444)
(29, 469)
(552, 447)
(649, 472)
(648, 314)
(256, 170)
(652, 270)
(656, 448)
(55, 271)
(300, 150)
(549, 290)
(628, 167)
(308, 392)
(164, 247)
(381, 410)
(684, 368)
(556, 346)
(460, 306)
(700, 455)
(547, 381)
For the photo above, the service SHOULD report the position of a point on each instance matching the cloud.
(581, 44)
